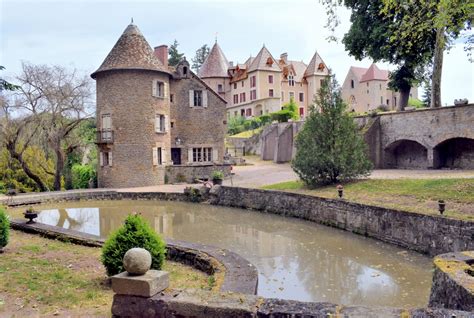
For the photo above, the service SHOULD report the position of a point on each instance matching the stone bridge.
(428, 138)
(417, 139)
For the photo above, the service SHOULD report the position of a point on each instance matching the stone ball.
(137, 261)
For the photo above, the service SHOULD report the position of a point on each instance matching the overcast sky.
(80, 34)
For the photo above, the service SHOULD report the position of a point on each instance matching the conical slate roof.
(314, 66)
(260, 62)
(131, 51)
(215, 65)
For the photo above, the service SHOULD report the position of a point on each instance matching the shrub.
(217, 175)
(236, 125)
(134, 233)
(265, 119)
(329, 147)
(81, 175)
(4, 229)
(288, 112)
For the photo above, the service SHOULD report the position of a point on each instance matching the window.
(253, 81)
(106, 133)
(367, 84)
(160, 123)
(242, 112)
(253, 95)
(172, 124)
(105, 159)
(185, 70)
(242, 83)
(202, 154)
(291, 80)
(242, 97)
(270, 92)
(394, 101)
(235, 85)
(367, 91)
(236, 98)
(248, 112)
(197, 98)
(321, 82)
(291, 95)
(301, 112)
(380, 86)
(352, 83)
(388, 102)
(219, 88)
(159, 89)
(158, 156)
(270, 79)
(171, 98)
(301, 97)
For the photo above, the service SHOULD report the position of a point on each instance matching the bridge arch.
(406, 154)
(454, 153)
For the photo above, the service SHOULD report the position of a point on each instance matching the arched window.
(185, 70)
(352, 83)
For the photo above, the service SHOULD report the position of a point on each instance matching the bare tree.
(57, 100)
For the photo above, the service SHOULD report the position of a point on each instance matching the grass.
(247, 133)
(48, 277)
(412, 195)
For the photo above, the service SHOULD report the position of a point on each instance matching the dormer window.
(321, 67)
(269, 61)
(291, 80)
(185, 70)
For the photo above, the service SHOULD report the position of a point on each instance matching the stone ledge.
(147, 285)
(240, 275)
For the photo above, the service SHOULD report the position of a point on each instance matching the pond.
(295, 259)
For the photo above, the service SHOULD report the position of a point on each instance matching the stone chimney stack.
(161, 52)
(284, 57)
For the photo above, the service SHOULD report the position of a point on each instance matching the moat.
(295, 259)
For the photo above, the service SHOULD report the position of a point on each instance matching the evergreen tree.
(329, 147)
(427, 95)
(200, 57)
(174, 55)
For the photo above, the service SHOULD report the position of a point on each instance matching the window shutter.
(166, 123)
(215, 155)
(101, 159)
(204, 98)
(153, 88)
(191, 98)
(163, 156)
(155, 156)
(190, 155)
(165, 89)
(110, 158)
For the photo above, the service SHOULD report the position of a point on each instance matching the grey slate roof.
(131, 51)
(313, 65)
(215, 65)
(260, 62)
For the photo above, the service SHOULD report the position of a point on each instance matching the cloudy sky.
(80, 33)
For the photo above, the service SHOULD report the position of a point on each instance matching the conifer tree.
(174, 55)
(329, 147)
(200, 57)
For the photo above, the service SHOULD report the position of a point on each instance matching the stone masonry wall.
(423, 233)
(189, 174)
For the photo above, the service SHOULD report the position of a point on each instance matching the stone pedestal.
(147, 285)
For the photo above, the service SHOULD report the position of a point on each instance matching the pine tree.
(329, 147)
(427, 95)
(174, 55)
(200, 57)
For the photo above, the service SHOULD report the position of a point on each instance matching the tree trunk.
(437, 69)
(18, 156)
(59, 167)
(404, 96)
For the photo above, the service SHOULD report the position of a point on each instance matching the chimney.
(161, 52)
(284, 57)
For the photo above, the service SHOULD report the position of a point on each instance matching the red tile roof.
(374, 73)
(215, 65)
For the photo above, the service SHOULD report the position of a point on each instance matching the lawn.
(39, 276)
(413, 195)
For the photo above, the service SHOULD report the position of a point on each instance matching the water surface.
(295, 259)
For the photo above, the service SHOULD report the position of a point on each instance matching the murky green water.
(296, 259)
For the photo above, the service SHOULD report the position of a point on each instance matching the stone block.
(146, 285)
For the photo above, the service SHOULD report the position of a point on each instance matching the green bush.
(81, 174)
(282, 116)
(134, 233)
(265, 119)
(217, 175)
(236, 125)
(4, 229)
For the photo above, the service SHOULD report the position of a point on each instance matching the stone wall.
(453, 281)
(423, 233)
(190, 174)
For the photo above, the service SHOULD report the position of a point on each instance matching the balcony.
(105, 137)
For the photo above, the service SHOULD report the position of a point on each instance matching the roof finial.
(263, 44)
(216, 36)
(132, 21)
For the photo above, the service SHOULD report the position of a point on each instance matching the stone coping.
(453, 281)
(427, 109)
(240, 275)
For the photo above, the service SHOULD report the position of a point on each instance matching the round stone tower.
(133, 133)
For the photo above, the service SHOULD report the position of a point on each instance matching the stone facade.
(190, 173)
(150, 116)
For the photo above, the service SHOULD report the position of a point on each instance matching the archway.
(454, 153)
(406, 154)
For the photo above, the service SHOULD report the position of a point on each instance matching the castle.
(155, 123)
(366, 89)
(263, 84)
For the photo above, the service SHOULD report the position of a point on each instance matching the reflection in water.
(295, 259)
